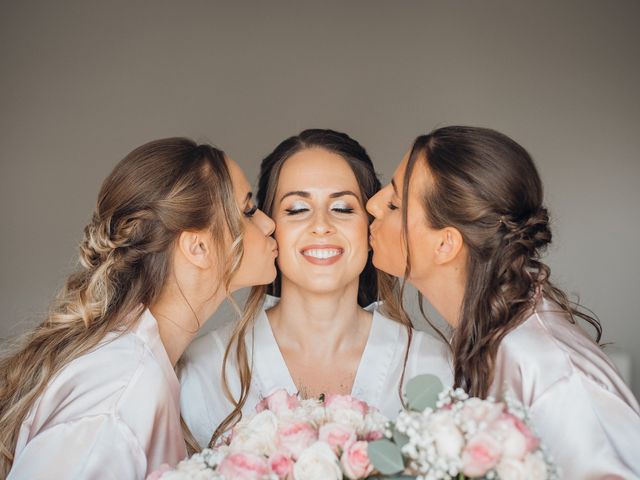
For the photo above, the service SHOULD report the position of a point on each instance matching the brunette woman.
(468, 203)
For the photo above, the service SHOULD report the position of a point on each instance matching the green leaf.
(393, 477)
(385, 456)
(422, 392)
(399, 438)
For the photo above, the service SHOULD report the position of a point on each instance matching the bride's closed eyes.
(338, 206)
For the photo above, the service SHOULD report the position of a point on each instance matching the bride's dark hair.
(486, 186)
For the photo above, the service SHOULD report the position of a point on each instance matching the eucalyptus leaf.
(399, 438)
(385, 456)
(422, 392)
(393, 477)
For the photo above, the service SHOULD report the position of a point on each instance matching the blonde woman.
(91, 392)
(321, 330)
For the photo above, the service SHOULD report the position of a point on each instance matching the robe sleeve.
(588, 430)
(96, 447)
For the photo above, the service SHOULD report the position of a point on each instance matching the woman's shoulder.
(551, 347)
(99, 382)
(548, 335)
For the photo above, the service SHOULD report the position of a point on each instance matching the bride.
(325, 333)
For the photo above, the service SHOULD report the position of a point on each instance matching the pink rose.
(281, 464)
(279, 402)
(517, 438)
(337, 435)
(514, 444)
(533, 442)
(347, 410)
(157, 474)
(481, 454)
(294, 437)
(373, 436)
(244, 466)
(346, 402)
(355, 461)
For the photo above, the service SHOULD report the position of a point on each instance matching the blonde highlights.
(157, 191)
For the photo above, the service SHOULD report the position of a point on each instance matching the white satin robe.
(579, 405)
(112, 413)
(204, 404)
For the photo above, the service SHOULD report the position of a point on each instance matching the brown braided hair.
(486, 186)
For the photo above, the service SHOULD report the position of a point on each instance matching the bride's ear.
(449, 245)
(197, 248)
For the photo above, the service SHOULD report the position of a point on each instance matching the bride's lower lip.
(322, 261)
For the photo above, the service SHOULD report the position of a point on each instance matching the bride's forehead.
(311, 169)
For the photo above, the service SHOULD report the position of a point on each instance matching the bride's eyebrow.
(296, 193)
(343, 193)
(302, 193)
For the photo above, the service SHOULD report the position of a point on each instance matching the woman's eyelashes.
(300, 207)
(391, 206)
(297, 208)
(341, 207)
(250, 211)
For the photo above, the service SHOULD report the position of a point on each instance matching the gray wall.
(82, 83)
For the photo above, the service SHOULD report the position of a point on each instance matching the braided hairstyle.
(486, 186)
(157, 191)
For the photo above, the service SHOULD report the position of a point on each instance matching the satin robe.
(112, 413)
(581, 408)
(204, 405)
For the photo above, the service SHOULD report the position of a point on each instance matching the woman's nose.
(322, 224)
(267, 225)
(373, 205)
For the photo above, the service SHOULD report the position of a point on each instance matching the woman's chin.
(383, 266)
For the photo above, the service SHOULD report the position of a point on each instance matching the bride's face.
(321, 223)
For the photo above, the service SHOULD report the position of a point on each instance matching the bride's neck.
(302, 317)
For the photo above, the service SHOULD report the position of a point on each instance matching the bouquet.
(445, 434)
(289, 438)
(442, 435)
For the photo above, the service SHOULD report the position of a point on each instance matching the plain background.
(83, 83)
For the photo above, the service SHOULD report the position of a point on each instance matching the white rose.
(513, 441)
(448, 437)
(346, 416)
(310, 410)
(317, 462)
(535, 466)
(258, 435)
(374, 421)
(478, 410)
(511, 469)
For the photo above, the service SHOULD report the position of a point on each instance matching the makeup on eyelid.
(300, 206)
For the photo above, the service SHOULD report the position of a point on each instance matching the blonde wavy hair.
(374, 284)
(157, 191)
